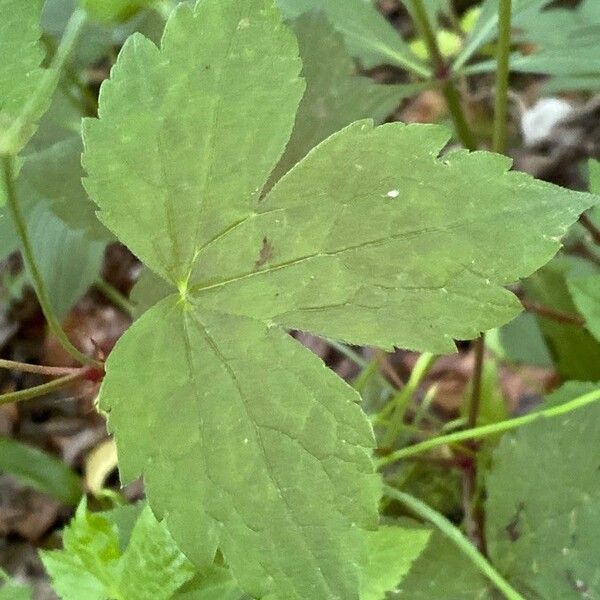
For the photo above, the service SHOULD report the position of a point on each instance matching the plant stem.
(492, 429)
(502, 71)
(112, 294)
(442, 71)
(29, 258)
(453, 533)
(591, 228)
(13, 139)
(45, 388)
(38, 369)
(400, 402)
(473, 515)
(552, 313)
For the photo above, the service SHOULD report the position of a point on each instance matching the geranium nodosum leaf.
(245, 440)
(189, 133)
(375, 240)
(248, 441)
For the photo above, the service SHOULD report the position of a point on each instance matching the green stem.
(23, 124)
(14, 365)
(400, 402)
(126, 305)
(463, 131)
(453, 533)
(29, 258)
(42, 390)
(502, 72)
(488, 430)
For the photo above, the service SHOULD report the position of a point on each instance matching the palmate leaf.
(246, 441)
(542, 528)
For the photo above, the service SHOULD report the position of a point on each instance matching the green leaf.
(275, 468)
(11, 590)
(153, 566)
(585, 292)
(113, 10)
(521, 341)
(335, 95)
(94, 565)
(368, 35)
(67, 240)
(567, 41)
(575, 352)
(443, 573)
(392, 550)
(39, 470)
(20, 71)
(134, 153)
(542, 528)
(88, 567)
(317, 249)
(371, 238)
(486, 27)
(217, 584)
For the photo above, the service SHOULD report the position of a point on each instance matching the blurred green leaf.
(113, 10)
(39, 470)
(368, 35)
(521, 342)
(575, 351)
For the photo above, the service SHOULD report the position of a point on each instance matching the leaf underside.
(246, 441)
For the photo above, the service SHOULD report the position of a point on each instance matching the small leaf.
(120, 554)
(392, 550)
(39, 470)
(11, 590)
(368, 35)
(152, 566)
(87, 568)
(113, 10)
(575, 352)
(542, 528)
(585, 292)
(335, 95)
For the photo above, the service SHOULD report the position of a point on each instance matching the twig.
(45, 388)
(552, 313)
(38, 369)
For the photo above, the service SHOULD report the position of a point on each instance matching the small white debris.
(538, 121)
(245, 440)
(244, 24)
(393, 193)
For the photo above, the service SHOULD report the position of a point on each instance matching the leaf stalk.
(489, 430)
(453, 533)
